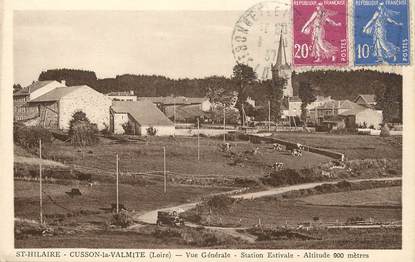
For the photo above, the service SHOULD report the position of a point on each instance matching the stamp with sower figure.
(320, 33)
(381, 32)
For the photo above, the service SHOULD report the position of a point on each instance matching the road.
(150, 217)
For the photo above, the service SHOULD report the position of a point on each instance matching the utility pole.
(164, 169)
(198, 140)
(174, 111)
(40, 182)
(116, 173)
(224, 124)
(269, 115)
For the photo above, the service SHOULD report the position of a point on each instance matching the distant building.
(320, 100)
(165, 101)
(55, 108)
(21, 109)
(355, 114)
(330, 109)
(185, 113)
(123, 96)
(140, 115)
(363, 117)
(291, 107)
(366, 100)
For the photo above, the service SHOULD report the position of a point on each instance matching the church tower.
(283, 69)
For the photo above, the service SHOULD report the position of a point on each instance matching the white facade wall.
(45, 89)
(119, 120)
(294, 108)
(95, 105)
(370, 117)
(161, 130)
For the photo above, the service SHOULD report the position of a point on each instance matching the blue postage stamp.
(381, 32)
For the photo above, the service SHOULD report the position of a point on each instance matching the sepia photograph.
(205, 129)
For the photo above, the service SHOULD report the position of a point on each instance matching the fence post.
(40, 182)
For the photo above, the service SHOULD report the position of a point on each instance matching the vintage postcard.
(221, 131)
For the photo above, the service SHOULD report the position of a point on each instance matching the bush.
(106, 130)
(81, 131)
(151, 131)
(384, 131)
(128, 128)
(29, 137)
(286, 177)
(220, 203)
(121, 219)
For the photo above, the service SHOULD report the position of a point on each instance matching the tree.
(81, 131)
(231, 115)
(243, 76)
(17, 87)
(306, 94)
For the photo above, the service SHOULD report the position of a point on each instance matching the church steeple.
(282, 68)
(281, 53)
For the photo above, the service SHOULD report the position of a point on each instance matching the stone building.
(139, 116)
(22, 110)
(55, 108)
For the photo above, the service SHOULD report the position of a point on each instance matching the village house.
(355, 115)
(291, 107)
(363, 117)
(139, 116)
(366, 100)
(56, 107)
(123, 96)
(22, 110)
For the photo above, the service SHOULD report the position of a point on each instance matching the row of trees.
(339, 84)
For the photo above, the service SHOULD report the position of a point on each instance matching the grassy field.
(91, 205)
(141, 193)
(354, 146)
(389, 196)
(181, 157)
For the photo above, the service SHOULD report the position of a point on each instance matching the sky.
(169, 38)
(176, 44)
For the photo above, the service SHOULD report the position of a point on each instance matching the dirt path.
(36, 161)
(150, 217)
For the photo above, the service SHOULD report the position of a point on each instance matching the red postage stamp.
(320, 33)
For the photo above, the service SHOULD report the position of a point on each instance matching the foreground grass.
(152, 237)
(92, 206)
(389, 196)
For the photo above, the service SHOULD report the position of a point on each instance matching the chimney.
(132, 92)
(63, 82)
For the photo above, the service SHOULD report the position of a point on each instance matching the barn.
(55, 108)
(138, 117)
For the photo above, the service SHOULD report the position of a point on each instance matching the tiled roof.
(56, 94)
(170, 100)
(184, 112)
(144, 112)
(31, 88)
(369, 99)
